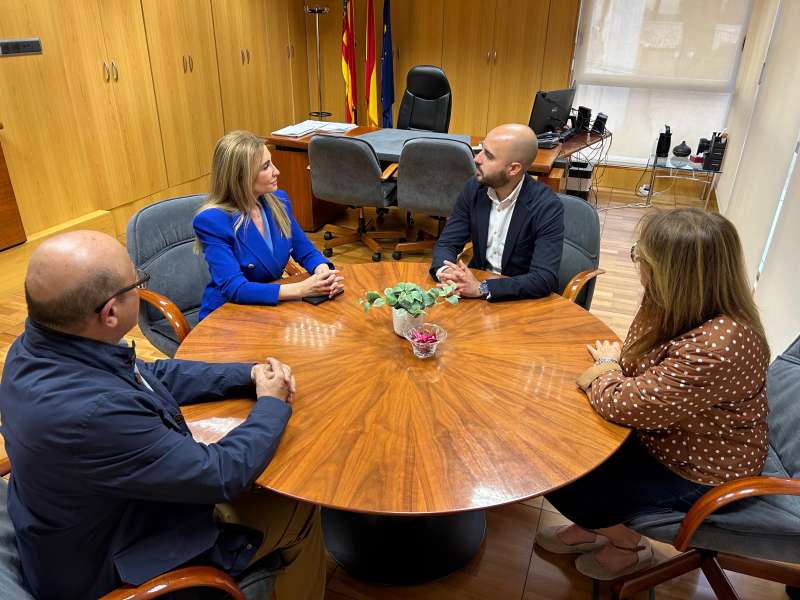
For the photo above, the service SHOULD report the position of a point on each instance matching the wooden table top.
(542, 164)
(494, 418)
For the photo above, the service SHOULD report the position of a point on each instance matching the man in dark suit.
(516, 224)
(108, 486)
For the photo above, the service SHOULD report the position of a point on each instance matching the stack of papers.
(306, 127)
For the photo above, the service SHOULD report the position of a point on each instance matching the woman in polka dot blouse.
(691, 382)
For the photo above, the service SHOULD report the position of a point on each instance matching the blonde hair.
(234, 167)
(694, 271)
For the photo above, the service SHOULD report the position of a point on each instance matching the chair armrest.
(466, 253)
(171, 312)
(292, 268)
(389, 171)
(577, 282)
(180, 579)
(5, 466)
(749, 487)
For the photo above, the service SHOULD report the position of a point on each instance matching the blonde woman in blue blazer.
(247, 232)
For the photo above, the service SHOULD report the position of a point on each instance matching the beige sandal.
(587, 564)
(548, 539)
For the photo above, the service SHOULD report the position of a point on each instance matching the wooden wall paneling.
(11, 230)
(520, 30)
(299, 59)
(562, 24)
(180, 38)
(416, 39)
(140, 168)
(55, 113)
(279, 110)
(466, 54)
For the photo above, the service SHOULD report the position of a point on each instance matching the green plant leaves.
(408, 297)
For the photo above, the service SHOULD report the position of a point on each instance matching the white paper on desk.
(213, 429)
(300, 129)
(337, 127)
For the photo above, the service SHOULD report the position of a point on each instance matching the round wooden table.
(495, 417)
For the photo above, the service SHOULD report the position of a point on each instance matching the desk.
(291, 156)
(494, 418)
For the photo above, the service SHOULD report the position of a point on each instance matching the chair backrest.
(581, 245)
(783, 395)
(432, 174)
(160, 240)
(427, 100)
(345, 170)
(11, 580)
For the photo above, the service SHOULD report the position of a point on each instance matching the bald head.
(70, 274)
(514, 142)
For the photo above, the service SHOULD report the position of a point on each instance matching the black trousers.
(630, 483)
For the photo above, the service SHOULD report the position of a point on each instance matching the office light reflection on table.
(311, 333)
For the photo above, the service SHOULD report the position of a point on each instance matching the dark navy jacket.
(532, 251)
(107, 484)
(241, 264)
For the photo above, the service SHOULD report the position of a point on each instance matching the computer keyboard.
(556, 136)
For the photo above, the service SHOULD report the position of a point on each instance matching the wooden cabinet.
(81, 132)
(136, 153)
(180, 36)
(493, 54)
(281, 57)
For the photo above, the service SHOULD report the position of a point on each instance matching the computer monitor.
(551, 110)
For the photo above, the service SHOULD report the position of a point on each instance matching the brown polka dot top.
(698, 402)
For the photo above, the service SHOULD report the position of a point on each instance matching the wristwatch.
(484, 289)
(606, 360)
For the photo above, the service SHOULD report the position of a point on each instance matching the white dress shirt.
(499, 220)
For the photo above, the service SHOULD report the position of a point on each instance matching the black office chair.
(427, 100)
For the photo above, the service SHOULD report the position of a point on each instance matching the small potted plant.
(409, 303)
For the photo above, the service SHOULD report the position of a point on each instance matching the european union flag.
(387, 67)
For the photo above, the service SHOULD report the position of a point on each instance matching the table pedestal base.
(402, 550)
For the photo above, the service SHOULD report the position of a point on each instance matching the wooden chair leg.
(718, 579)
(649, 578)
(763, 569)
(342, 240)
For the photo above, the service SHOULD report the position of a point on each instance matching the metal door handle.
(191, 64)
(184, 63)
(494, 56)
(248, 55)
(106, 72)
(488, 56)
(115, 70)
(242, 51)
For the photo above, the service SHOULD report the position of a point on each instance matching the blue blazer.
(108, 485)
(533, 246)
(241, 264)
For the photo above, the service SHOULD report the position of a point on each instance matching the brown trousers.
(294, 529)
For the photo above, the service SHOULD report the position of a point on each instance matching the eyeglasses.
(634, 258)
(141, 283)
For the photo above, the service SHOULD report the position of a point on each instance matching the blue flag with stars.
(387, 67)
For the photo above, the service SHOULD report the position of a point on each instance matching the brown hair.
(693, 271)
(234, 167)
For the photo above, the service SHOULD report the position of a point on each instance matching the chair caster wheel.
(397, 255)
(420, 236)
(327, 235)
(376, 257)
(327, 252)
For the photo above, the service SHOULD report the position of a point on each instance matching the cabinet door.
(520, 32)
(55, 107)
(466, 58)
(180, 39)
(240, 31)
(279, 66)
(416, 39)
(140, 156)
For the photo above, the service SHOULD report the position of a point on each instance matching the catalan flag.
(349, 62)
(370, 77)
